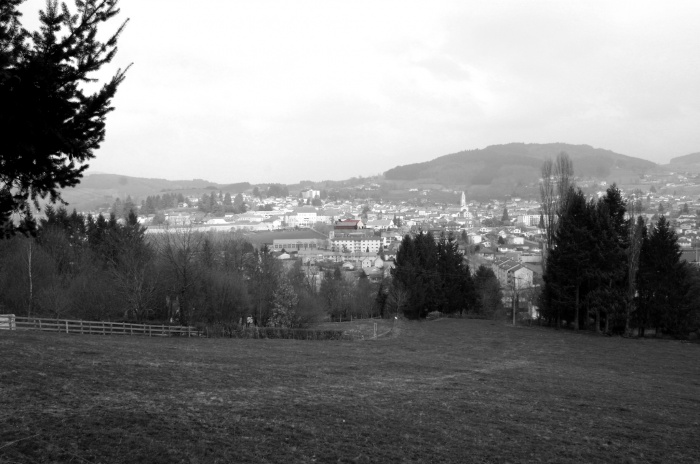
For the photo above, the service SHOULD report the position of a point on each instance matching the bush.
(240, 331)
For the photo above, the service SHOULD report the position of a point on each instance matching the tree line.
(607, 269)
(108, 268)
(431, 275)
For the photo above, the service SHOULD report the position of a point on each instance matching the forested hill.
(99, 189)
(693, 158)
(515, 163)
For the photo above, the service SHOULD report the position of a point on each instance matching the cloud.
(280, 91)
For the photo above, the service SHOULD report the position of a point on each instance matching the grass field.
(441, 391)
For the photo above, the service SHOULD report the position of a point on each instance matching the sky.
(283, 91)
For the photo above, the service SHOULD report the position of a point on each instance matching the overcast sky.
(280, 91)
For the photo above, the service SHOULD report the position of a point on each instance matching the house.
(380, 224)
(349, 224)
(367, 263)
(685, 242)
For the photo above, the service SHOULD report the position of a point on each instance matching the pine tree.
(505, 218)
(569, 263)
(488, 293)
(662, 282)
(49, 126)
(433, 276)
(456, 288)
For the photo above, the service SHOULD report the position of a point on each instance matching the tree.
(49, 124)
(505, 218)
(487, 292)
(335, 293)
(662, 281)
(264, 273)
(238, 204)
(557, 177)
(433, 276)
(178, 250)
(569, 262)
(608, 267)
(285, 301)
(131, 266)
(637, 230)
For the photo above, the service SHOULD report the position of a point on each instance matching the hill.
(100, 189)
(501, 167)
(693, 158)
(687, 163)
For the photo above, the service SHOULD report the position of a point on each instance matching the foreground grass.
(442, 391)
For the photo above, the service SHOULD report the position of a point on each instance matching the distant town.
(362, 235)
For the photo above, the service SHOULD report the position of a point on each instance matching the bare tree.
(564, 178)
(178, 248)
(54, 297)
(135, 283)
(548, 206)
(557, 177)
(397, 298)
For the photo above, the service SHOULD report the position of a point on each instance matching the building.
(295, 244)
(310, 194)
(353, 243)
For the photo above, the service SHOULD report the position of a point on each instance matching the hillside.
(516, 164)
(693, 158)
(100, 189)
(445, 391)
(687, 163)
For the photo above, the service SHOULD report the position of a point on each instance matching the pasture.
(441, 391)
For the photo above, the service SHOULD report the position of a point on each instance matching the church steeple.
(463, 202)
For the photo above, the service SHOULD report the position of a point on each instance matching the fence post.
(104, 332)
(66, 325)
(149, 330)
(39, 324)
(81, 327)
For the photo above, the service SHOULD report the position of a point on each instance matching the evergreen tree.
(238, 204)
(505, 218)
(433, 276)
(569, 263)
(488, 293)
(662, 282)
(49, 125)
(456, 288)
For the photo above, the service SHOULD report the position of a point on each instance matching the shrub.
(240, 331)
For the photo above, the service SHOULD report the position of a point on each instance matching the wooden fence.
(95, 327)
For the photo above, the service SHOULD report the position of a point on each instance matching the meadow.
(440, 391)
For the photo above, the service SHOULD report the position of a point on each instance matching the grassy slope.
(442, 391)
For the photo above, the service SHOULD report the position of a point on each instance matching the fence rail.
(12, 322)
